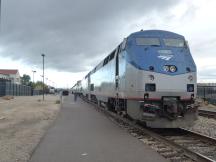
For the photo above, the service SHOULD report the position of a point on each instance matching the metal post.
(46, 81)
(33, 74)
(204, 94)
(0, 15)
(43, 74)
(32, 88)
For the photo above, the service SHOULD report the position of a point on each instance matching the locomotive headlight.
(151, 77)
(173, 68)
(190, 78)
(166, 68)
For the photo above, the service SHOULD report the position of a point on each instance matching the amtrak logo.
(165, 57)
(165, 54)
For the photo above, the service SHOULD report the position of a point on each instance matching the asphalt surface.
(81, 134)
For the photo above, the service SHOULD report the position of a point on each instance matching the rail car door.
(89, 85)
(117, 81)
(120, 81)
(117, 70)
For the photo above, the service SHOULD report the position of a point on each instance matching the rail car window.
(94, 70)
(112, 55)
(92, 87)
(119, 50)
(174, 42)
(147, 42)
(106, 60)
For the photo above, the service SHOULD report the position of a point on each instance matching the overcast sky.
(76, 35)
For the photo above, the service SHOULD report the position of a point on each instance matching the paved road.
(81, 134)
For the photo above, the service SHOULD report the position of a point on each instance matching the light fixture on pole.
(43, 55)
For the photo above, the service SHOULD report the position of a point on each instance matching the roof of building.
(8, 71)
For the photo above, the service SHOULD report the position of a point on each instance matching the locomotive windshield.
(147, 42)
(174, 42)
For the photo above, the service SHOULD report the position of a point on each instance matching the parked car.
(65, 93)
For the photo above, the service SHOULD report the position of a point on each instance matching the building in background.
(10, 74)
(4, 76)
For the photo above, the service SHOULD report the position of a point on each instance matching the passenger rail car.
(150, 76)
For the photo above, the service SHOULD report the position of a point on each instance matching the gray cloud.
(207, 72)
(74, 35)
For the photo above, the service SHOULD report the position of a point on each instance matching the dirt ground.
(23, 122)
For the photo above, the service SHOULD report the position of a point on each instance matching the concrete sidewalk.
(81, 134)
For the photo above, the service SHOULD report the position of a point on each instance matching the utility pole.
(0, 15)
(43, 55)
(46, 82)
(41, 78)
(33, 74)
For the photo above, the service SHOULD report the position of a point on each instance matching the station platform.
(82, 134)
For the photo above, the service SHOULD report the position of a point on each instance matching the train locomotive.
(150, 77)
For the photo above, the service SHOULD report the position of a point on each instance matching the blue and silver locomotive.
(150, 77)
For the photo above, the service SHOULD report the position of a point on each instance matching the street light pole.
(33, 74)
(43, 55)
(47, 82)
(0, 15)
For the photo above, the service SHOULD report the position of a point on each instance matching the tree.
(31, 84)
(39, 86)
(25, 79)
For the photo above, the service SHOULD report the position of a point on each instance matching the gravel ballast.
(23, 122)
(205, 125)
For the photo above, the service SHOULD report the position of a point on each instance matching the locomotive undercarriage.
(170, 112)
(170, 108)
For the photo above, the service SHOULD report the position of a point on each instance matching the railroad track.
(196, 145)
(206, 113)
(173, 144)
(177, 145)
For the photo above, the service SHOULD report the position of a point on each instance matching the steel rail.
(185, 151)
(206, 113)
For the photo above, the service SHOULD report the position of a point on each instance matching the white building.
(12, 75)
(3, 76)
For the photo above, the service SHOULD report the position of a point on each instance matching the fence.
(8, 88)
(208, 93)
(37, 92)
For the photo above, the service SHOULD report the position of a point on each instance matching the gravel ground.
(205, 125)
(23, 122)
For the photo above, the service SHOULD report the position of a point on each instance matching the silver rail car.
(150, 77)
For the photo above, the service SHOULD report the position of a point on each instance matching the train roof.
(143, 33)
(156, 33)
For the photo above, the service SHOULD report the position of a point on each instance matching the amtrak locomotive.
(150, 77)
